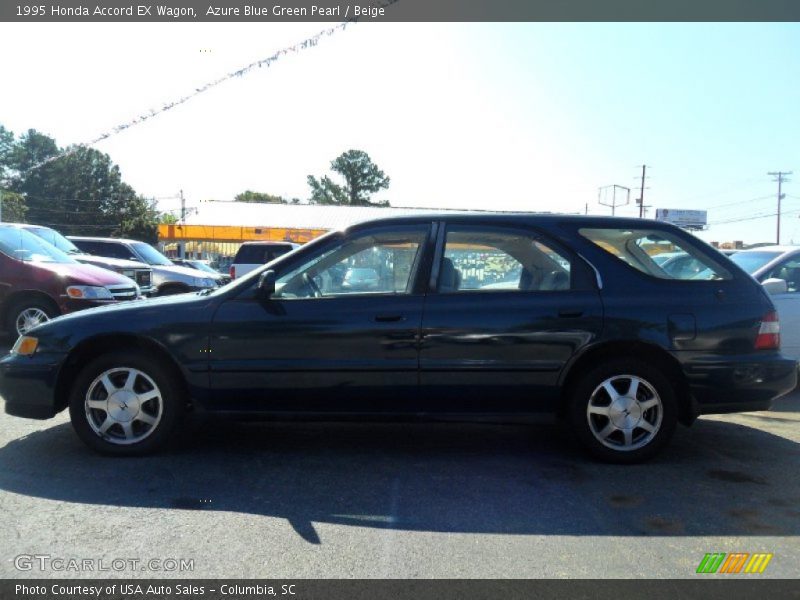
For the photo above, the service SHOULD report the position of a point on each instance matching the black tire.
(651, 425)
(24, 304)
(168, 406)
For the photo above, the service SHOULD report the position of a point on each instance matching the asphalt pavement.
(300, 500)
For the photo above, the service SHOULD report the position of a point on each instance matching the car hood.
(81, 274)
(134, 310)
(116, 263)
(182, 271)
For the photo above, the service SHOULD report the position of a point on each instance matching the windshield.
(22, 245)
(51, 236)
(753, 261)
(200, 266)
(150, 255)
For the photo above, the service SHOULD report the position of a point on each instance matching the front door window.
(381, 263)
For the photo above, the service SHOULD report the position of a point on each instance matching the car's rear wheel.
(125, 404)
(27, 313)
(623, 411)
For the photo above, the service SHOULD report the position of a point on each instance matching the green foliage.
(13, 207)
(168, 219)
(325, 191)
(362, 179)
(79, 193)
(249, 196)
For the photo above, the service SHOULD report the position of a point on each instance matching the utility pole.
(181, 246)
(780, 177)
(641, 192)
(1, 205)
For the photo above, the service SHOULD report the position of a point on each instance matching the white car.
(778, 270)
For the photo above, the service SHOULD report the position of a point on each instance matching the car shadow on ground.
(718, 478)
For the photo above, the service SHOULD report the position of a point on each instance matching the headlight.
(25, 346)
(129, 273)
(202, 282)
(89, 292)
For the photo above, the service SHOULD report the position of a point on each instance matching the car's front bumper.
(741, 383)
(27, 384)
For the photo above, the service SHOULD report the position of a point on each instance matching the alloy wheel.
(624, 413)
(30, 318)
(123, 405)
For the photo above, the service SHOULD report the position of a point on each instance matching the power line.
(754, 217)
(739, 202)
(305, 44)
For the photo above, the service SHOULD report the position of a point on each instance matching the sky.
(526, 116)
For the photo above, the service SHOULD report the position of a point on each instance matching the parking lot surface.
(402, 500)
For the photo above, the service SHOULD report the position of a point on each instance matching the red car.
(39, 282)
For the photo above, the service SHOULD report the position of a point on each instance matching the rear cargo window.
(658, 253)
(257, 254)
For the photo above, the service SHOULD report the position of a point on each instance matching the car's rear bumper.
(27, 384)
(741, 383)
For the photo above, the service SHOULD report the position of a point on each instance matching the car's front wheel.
(125, 404)
(28, 313)
(623, 411)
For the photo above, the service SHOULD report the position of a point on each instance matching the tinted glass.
(23, 245)
(640, 248)
(260, 254)
(379, 263)
(488, 261)
(150, 255)
(753, 261)
(789, 271)
(51, 236)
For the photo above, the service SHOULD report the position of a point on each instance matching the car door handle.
(389, 318)
(568, 313)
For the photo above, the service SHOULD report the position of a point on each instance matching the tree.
(249, 196)
(7, 143)
(79, 191)
(362, 178)
(326, 191)
(138, 219)
(13, 207)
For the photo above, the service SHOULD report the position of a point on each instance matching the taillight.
(232, 272)
(769, 333)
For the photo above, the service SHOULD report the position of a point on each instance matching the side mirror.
(266, 284)
(775, 286)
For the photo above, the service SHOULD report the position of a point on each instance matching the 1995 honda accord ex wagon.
(478, 315)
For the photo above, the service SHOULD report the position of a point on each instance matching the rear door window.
(658, 253)
(494, 260)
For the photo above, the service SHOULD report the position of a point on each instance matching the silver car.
(167, 277)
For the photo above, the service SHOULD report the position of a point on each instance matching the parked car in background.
(679, 264)
(252, 255)
(200, 265)
(138, 271)
(594, 331)
(361, 278)
(38, 282)
(778, 269)
(167, 278)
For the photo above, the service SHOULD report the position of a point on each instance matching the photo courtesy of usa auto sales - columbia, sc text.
(149, 10)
